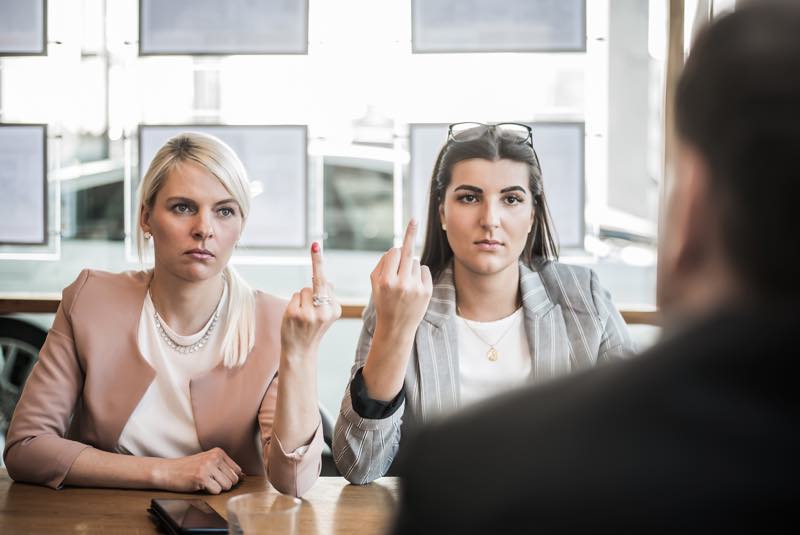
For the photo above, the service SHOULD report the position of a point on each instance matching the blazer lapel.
(544, 325)
(224, 402)
(436, 378)
(227, 402)
(112, 392)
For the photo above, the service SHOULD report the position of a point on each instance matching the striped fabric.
(571, 324)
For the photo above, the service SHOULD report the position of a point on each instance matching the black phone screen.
(189, 516)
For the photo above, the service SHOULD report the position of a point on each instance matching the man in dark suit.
(699, 434)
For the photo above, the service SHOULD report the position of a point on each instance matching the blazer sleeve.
(616, 342)
(289, 472)
(364, 448)
(36, 450)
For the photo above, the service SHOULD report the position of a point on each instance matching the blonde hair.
(221, 161)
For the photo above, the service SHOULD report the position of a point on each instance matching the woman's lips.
(489, 245)
(199, 254)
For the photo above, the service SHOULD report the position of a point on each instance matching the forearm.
(297, 409)
(97, 468)
(385, 368)
(355, 434)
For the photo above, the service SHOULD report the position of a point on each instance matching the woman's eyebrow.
(476, 189)
(181, 199)
(469, 188)
(513, 188)
(187, 200)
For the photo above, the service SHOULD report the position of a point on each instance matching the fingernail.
(315, 247)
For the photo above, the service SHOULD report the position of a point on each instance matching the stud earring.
(444, 227)
(147, 235)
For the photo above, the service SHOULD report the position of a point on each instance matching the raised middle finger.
(407, 250)
(318, 280)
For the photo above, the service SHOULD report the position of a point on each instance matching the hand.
(306, 320)
(401, 288)
(213, 471)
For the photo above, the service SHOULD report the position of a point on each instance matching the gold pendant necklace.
(492, 354)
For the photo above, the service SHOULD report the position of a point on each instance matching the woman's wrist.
(381, 384)
(157, 472)
(393, 334)
(299, 359)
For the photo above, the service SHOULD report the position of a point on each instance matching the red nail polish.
(315, 247)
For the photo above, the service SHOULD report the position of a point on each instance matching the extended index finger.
(407, 250)
(317, 274)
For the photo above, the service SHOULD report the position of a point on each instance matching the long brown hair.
(492, 145)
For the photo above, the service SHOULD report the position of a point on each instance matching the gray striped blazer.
(571, 324)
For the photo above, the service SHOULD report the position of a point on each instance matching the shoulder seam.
(85, 274)
(594, 282)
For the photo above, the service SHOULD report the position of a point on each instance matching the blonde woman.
(169, 378)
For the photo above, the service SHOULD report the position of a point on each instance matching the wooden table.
(331, 506)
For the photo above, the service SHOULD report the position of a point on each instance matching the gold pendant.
(492, 354)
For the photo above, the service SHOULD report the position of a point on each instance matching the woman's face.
(488, 211)
(195, 223)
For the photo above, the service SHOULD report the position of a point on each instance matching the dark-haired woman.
(486, 309)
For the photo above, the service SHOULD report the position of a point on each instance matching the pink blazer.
(90, 376)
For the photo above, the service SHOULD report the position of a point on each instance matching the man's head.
(732, 228)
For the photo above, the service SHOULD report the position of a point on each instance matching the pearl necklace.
(181, 348)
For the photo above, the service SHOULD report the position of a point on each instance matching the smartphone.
(187, 516)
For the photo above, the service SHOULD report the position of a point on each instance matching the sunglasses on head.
(469, 131)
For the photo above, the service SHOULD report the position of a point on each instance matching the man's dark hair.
(738, 104)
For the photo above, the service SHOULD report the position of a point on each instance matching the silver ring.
(319, 300)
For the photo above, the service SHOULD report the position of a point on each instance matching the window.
(358, 205)
(360, 84)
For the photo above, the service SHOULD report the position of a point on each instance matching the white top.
(162, 425)
(481, 377)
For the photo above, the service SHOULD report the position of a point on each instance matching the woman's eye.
(227, 212)
(181, 208)
(513, 199)
(468, 198)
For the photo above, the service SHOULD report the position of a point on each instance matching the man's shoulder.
(594, 439)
